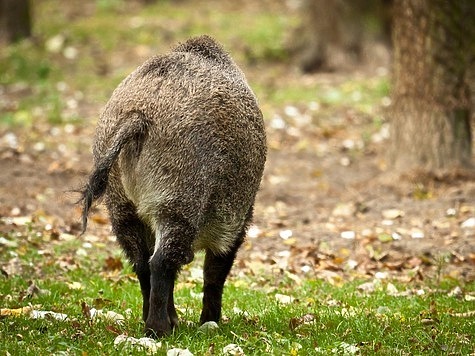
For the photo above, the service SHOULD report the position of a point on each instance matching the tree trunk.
(15, 20)
(434, 47)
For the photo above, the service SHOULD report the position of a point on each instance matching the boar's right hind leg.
(173, 249)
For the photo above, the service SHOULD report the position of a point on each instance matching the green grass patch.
(266, 314)
(92, 46)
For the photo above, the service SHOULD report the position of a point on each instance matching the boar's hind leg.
(172, 251)
(216, 270)
(132, 234)
(172, 315)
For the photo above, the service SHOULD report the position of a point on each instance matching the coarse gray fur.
(179, 153)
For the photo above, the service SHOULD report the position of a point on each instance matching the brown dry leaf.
(33, 290)
(468, 314)
(113, 264)
(100, 303)
(303, 320)
(86, 311)
(334, 278)
(428, 321)
(413, 262)
(18, 311)
(54, 167)
(394, 266)
(433, 309)
(67, 263)
(13, 267)
(367, 287)
(113, 329)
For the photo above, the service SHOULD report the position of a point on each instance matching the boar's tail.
(134, 128)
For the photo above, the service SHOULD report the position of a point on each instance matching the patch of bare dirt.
(325, 209)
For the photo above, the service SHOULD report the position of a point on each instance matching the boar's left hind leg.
(216, 270)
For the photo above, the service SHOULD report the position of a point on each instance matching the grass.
(70, 272)
(109, 31)
(80, 54)
(109, 38)
(112, 37)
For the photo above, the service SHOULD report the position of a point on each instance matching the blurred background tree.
(434, 53)
(15, 20)
(334, 33)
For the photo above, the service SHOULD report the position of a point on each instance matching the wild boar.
(179, 153)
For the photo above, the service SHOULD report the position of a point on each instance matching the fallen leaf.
(100, 219)
(384, 237)
(456, 292)
(208, 327)
(469, 298)
(33, 290)
(392, 214)
(8, 243)
(75, 285)
(86, 311)
(349, 235)
(344, 210)
(468, 314)
(109, 315)
(113, 329)
(345, 349)
(150, 345)
(13, 267)
(232, 349)
(284, 299)
(101, 302)
(307, 319)
(391, 289)
(113, 264)
(469, 223)
(44, 314)
(369, 287)
(179, 352)
(17, 220)
(16, 312)
(417, 233)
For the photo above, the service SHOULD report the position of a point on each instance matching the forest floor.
(328, 206)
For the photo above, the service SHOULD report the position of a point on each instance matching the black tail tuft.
(95, 188)
(135, 128)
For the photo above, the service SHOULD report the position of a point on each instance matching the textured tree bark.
(15, 20)
(434, 48)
